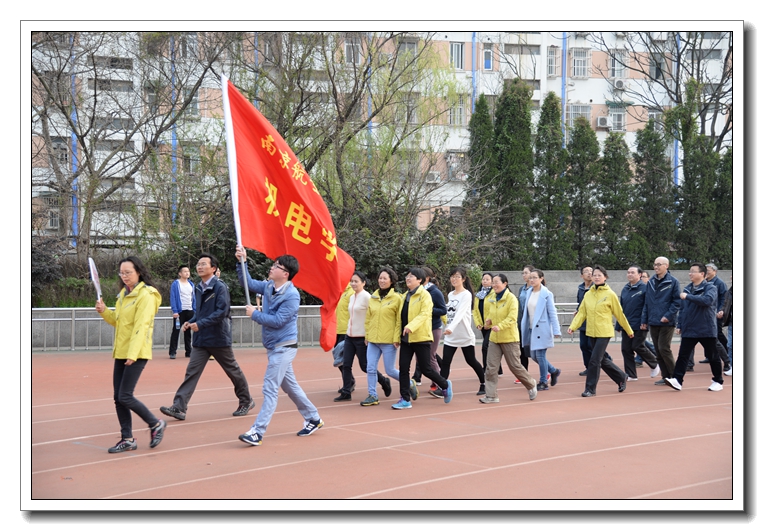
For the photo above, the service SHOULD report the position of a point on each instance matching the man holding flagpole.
(278, 317)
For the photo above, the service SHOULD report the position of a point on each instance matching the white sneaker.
(655, 372)
(630, 379)
(715, 386)
(673, 383)
(728, 373)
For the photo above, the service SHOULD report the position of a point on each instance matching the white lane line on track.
(683, 487)
(419, 483)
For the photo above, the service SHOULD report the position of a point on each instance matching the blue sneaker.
(402, 404)
(448, 394)
(251, 438)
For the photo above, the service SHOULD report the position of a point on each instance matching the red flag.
(278, 210)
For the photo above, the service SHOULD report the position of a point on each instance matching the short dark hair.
(502, 277)
(360, 275)
(213, 259)
(701, 268)
(581, 269)
(182, 267)
(639, 269)
(289, 263)
(390, 273)
(601, 269)
(419, 273)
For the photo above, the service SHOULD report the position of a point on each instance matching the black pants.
(125, 378)
(712, 353)
(355, 347)
(469, 357)
(183, 316)
(630, 345)
(662, 340)
(422, 353)
(199, 358)
(599, 358)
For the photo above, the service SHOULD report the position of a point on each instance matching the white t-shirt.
(532, 301)
(459, 320)
(186, 295)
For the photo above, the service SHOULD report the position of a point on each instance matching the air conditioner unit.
(432, 177)
(621, 34)
(604, 122)
(619, 84)
(582, 34)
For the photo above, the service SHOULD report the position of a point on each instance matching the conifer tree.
(551, 212)
(721, 246)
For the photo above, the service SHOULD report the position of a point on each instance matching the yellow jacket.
(342, 313)
(598, 307)
(502, 313)
(420, 317)
(133, 318)
(476, 318)
(382, 317)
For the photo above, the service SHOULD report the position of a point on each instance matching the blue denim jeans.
(279, 373)
(373, 353)
(545, 367)
(729, 342)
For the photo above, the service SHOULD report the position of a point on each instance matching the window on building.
(488, 56)
(535, 84)
(59, 147)
(53, 203)
(711, 54)
(352, 51)
(576, 110)
(618, 118)
(581, 62)
(456, 113)
(187, 45)
(618, 62)
(457, 55)
(553, 61)
(152, 98)
(114, 123)
(522, 49)
(406, 52)
(406, 109)
(656, 115)
(191, 160)
(712, 35)
(656, 66)
(114, 63)
(271, 49)
(59, 87)
(193, 106)
(456, 165)
(110, 85)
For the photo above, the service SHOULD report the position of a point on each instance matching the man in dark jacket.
(661, 306)
(633, 302)
(721, 290)
(697, 324)
(212, 337)
(583, 340)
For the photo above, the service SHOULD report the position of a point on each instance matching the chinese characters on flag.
(277, 209)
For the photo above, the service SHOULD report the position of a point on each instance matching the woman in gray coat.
(540, 326)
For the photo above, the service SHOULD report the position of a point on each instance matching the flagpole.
(233, 178)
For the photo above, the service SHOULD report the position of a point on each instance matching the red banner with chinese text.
(278, 210)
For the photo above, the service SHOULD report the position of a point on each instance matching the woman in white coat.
(540, 326)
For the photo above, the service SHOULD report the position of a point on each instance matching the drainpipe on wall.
(75, 202)
(257, 73)
(676, 140)
(173, 97)
(474, 61)
(564, 91)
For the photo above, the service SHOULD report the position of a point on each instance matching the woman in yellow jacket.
(414, 335)
(501, 309)
(343, 315)
(133, 319)
(599, 306)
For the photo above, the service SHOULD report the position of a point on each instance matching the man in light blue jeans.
(278, 317)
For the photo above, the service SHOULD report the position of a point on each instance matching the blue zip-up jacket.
(633, 302)
(661, 300)
(721, 292)
(279, 315)
(522, 296)
(582, 289)
(697, 314)
(438, 305)
(175, 304)
(212, 314)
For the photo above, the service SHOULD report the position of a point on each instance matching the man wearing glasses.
(660, 311)
(278, 317)
(212, 337)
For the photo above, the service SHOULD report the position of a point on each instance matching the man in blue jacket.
(278, 317)
(583, 339)
(661, 306)
(721, 290)
(182, 304)
(633, 302)
(211, 324)
(697, 324)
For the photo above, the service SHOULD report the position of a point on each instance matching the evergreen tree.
(513, 161)
(655, 196)
(480, 129)
(552, 235)
(617, 249)
(721, 245)
(583, 174)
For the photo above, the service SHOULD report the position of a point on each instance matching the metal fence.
(84, 329)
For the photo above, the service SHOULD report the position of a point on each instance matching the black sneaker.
(243, 410)
(386, 387)
(582, 373)
(555, 375)
(481, 391)
(437, 393)
(156, 433)
(352, 388)
(344, 397)
(172, 356)
(173, 412)
(542, 386)
(123, 446)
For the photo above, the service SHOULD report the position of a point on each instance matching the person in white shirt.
(355, 339)
(458, 332)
